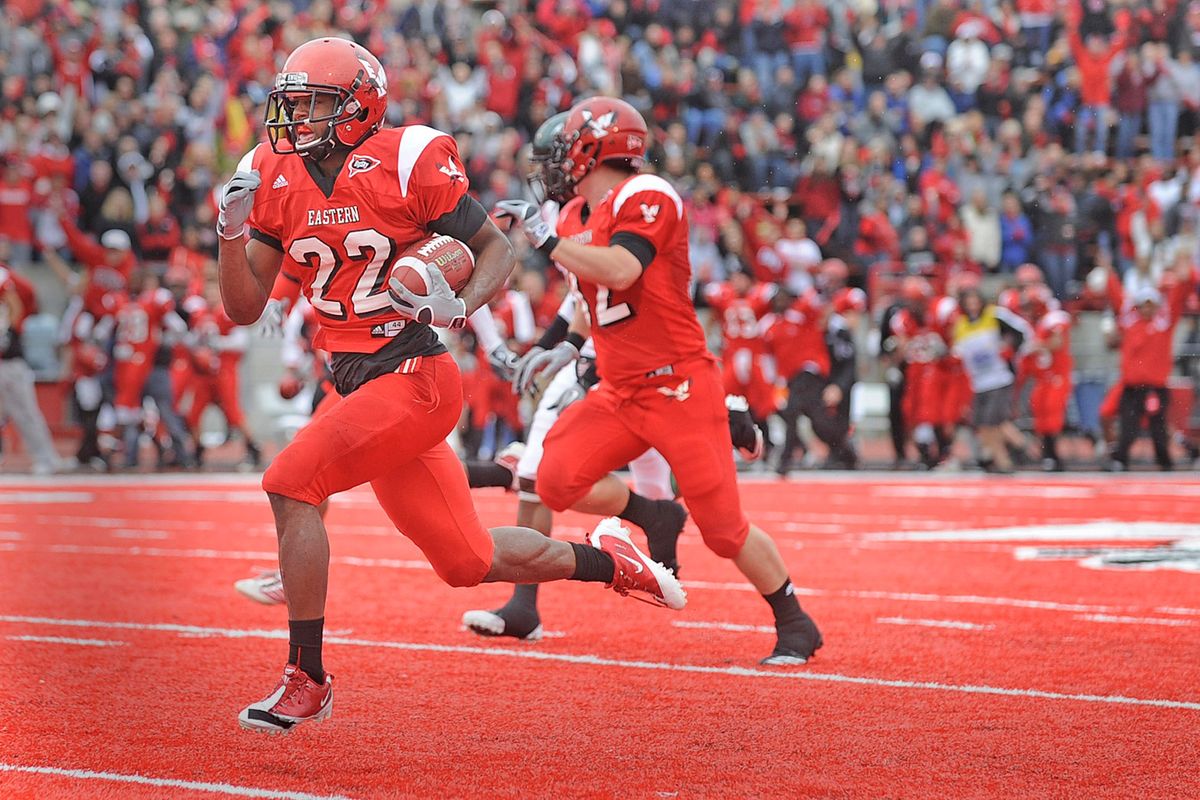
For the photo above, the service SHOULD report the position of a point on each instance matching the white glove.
(549, 361)
(270, 324)
(503, 362)
(525, 215)
(236, 201)
(440, 308)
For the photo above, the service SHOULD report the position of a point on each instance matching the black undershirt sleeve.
(463, 222)
(556, 331)
(266, 239)
(641, 247)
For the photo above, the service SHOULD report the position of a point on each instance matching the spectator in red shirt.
(1096, 83)
(16, 197)
(806, 24)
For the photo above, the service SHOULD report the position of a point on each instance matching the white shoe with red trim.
(265, 588)
(635, 572)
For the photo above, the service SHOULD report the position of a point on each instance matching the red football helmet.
(602, 129)
(336, 68)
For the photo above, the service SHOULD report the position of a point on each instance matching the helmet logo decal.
(599, 125)
(635, 143)
(378, 77)
(359, 164)
(288, 80)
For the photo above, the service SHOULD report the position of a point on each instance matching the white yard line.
(169, 783)
(935, 623)
(599, 661)
(65, 640)
(1124, 620)
(723, 626)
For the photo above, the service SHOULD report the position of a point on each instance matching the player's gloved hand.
(574, 392)
(520, 373)
(526, 216)
(440, 308)
(549, 361)
(270, 324)
(236, 201)
(503, 362)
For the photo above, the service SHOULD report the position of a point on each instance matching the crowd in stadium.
(937, 172)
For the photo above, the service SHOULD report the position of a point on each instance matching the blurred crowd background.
(902, 138)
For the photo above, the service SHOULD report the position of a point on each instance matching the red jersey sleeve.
(437, 181)
(648, 207)
(718, 296)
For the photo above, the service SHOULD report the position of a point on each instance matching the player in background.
(1049, 364)
(218, 345)
(661, 387)
(138, 325)
(1146, 320)
(739, 304)
(330, 201)
(18, 400)
(651, 505)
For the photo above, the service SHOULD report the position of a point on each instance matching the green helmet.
(545, 177)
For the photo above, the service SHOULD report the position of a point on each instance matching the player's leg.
(695, 441)
(519, 616)
(1158, 400)
(267, 586)
(231, 404)
(130, 379)
(585, 445)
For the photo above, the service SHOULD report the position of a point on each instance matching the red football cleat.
(297, 698)
(635, 572)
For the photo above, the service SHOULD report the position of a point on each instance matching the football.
(452, 257)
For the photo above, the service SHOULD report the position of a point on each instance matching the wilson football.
(452, 257)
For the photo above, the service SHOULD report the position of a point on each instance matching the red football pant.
(743, 375)
(129, 379)
(223, 388)
(391, 433)
(1048, 401)
(1112, 401)
(689, 427)
(923, 394)
(955, 400)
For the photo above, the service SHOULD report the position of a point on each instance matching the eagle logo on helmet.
(378, 78)
(599, 125)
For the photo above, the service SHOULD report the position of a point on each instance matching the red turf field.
(952, 668)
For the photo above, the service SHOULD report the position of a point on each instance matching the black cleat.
(662, 534)
(797, 642)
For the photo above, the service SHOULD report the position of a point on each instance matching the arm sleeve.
(484, 325)
(651, 214)
(524, 326)
(463, 221)
(1013, 326)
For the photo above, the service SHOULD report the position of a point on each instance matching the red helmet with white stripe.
(599, 130)
(337, 69)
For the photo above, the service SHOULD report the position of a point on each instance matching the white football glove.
(270, 324)
(526, 216)
(440, 308)
(236, 201)
(548, 361)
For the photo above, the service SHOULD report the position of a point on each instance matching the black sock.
(525, 594)
(784, 604)
(481, 474)
(592, 564)
(1050, 447)
(304, 646)
(639, 510)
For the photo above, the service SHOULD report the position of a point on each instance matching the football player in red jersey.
(331, 201)
(1049, 363)
(661, 387)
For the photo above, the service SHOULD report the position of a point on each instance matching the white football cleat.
(265, 588)
(635, 571)
(489, 623)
